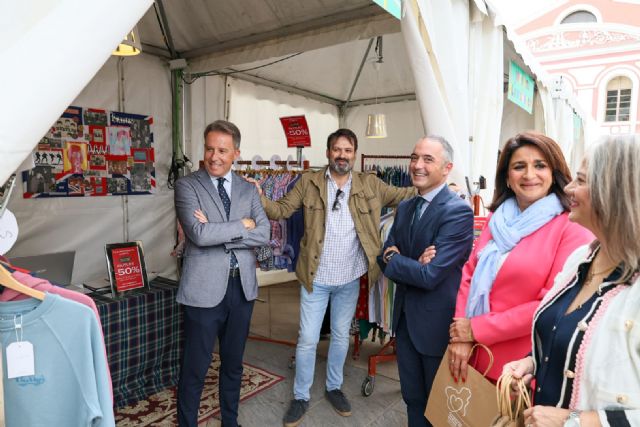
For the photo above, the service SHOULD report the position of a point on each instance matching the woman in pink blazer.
(526, 241)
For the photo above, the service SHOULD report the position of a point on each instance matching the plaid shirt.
(341, 243)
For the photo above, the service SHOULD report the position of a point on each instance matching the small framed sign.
(296, 131)
(125, 262)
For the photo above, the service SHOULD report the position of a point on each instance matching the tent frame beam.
(342, 105)
(160, 52)
(167, 30)
(345, 105)
(286, 88)
(383, 100)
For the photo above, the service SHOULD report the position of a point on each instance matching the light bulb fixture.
(376, 126)
(130, 45)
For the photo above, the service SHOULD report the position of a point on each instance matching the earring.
(508, 186)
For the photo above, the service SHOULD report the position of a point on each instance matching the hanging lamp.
(377, 123)
(376, 126)
(130, 45)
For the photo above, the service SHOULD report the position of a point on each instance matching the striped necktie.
(417, 213)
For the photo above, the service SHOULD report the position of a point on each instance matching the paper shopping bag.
(469, 404)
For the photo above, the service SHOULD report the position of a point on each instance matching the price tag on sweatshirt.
(20, 361)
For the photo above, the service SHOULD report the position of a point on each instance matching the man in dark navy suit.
(427, 246)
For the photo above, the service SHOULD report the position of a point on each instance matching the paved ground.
(277, 318)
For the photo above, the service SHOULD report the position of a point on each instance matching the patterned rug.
(160, 408)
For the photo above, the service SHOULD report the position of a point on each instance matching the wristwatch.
(573, 420)
(390, 255)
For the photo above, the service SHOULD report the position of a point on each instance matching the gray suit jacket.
(205, 268)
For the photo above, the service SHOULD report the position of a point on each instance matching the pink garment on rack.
(45, 286)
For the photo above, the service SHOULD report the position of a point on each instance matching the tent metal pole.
(343, 107)
(383, 100)
(165, 24)
(121, 107)
(227, 97)
(177, 118)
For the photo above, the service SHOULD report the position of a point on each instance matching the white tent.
(455, 87)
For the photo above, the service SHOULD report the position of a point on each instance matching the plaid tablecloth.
(143, 337)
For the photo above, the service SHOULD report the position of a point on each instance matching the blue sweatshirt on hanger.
(70, 386)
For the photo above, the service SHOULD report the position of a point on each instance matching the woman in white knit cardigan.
(586, 332)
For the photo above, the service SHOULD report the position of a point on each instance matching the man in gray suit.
(223, 222)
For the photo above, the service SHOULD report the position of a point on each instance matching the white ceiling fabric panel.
(57, 50)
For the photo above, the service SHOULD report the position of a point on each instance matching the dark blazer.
(205, 269)
(427, 293)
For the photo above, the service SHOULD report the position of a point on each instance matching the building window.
(618, 100)
(579, 16)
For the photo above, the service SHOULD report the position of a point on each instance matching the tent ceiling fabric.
(243, 34)
(330, 71)
(199, 27)
(50, 55)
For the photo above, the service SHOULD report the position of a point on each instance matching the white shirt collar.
(431, 194)
(227, 177)
(327, 174)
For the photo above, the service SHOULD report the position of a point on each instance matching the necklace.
(589, 278)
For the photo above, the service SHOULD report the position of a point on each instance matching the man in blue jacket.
(427, 278)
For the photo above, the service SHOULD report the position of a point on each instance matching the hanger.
(8, 281)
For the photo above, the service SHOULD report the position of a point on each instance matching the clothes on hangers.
(397, 175)
(375, 305)
(70, 386)
(382, 294)
(285, 234)
(374, 311)
(295, 230)
(44, 285)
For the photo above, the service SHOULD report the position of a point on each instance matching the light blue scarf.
(508, 226)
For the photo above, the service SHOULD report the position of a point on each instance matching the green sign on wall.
(392, 6)
(521, 86)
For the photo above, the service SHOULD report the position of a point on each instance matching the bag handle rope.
(508, 408)
(485, 348)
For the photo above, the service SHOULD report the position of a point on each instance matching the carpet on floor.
(160, 408)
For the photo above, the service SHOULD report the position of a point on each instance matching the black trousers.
(417, 373)
(229, 322)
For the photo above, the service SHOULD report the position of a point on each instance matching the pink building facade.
(594, 46)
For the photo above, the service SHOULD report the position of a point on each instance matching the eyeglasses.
(336, 202)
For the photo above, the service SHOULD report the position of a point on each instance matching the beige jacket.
(368, 196)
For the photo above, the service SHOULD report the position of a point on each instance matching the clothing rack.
(364, 157)
(285, 163)
(388, 351)
(268, 171)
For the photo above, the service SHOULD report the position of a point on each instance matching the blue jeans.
(312, 308)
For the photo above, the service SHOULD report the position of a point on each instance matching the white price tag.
(8, 231)
(20, 361)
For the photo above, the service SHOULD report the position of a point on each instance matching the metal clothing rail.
(364, 158)
(305, 164)
(284, 163)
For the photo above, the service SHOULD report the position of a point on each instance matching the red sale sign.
(296, 131)
(127, 268)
